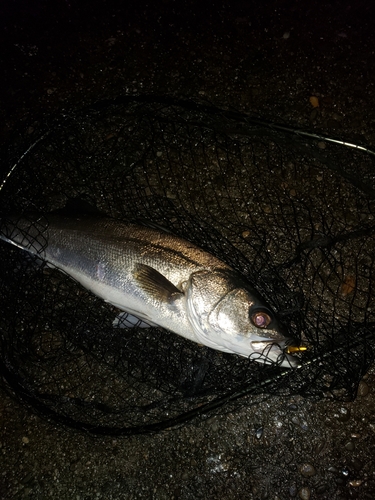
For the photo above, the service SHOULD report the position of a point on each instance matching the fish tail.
(27, 233)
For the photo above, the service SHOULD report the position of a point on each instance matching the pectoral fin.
(155, 284)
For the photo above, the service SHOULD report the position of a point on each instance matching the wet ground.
(270, 60)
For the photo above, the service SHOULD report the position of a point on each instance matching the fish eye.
(261, 319)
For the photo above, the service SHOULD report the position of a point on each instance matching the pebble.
(345, 472)
(314, 101)
(363, 389)
(307, 470)
(267, 209)
(322, 488)
(304, 493)
(293, 490)
(337, 117)
(259, 432)
(215, 426)
(333, 469)
(28, 478)
(355, 483)
(349, 446)
(357, 464)
(25, 440)
(343, 415)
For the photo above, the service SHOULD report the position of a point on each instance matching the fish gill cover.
(292, 211)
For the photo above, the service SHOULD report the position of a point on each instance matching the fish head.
(228, 315)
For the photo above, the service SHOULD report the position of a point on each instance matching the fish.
(156, 278)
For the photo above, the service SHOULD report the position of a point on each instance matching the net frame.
(291, 210)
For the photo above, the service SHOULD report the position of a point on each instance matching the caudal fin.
(28, 233)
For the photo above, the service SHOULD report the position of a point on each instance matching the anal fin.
(127, 320)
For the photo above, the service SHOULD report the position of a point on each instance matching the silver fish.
(158, 278)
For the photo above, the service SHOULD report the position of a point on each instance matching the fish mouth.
(280, 353)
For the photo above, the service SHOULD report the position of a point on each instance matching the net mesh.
(292, 211)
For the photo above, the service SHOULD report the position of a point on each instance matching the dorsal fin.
(78, 206)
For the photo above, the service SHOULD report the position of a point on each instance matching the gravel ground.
(270, 60)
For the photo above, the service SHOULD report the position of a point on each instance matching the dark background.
(269, 59)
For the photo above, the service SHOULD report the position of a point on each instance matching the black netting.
(293, 212)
